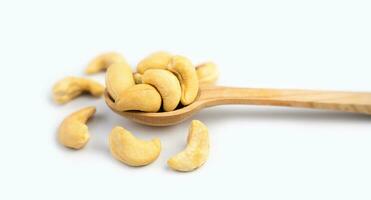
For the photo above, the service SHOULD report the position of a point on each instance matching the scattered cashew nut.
(186, 73)
(162, 79)
(167, 85)
(196, 152)
(69, 88)
(132, 151)
(73, 132)
(141, 97)
(207, 73)
(119, 77)
(103, 61)
(157, 60)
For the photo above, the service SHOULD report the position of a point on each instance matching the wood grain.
(356, 102)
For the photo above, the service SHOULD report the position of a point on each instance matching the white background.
(256, 152)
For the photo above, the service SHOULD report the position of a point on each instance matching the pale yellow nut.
(71, 87)
(167, 85)
(103, 61)
(196, 152)
(141, 97)
(119, 77)
(207, 73)
(73, 132)
(131, 150)
(186, 73)
(157, 60)
(138, 78)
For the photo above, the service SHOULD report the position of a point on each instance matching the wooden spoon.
(356, 102)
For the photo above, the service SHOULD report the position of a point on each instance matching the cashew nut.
(69, 88)
(141, 97)
(119, 77)
(196, 152)
(167, 85)
(207, 73)
(157, 60)
(138, 78)
(103, 61)
(132, 151)
(186, 73)
(73, 132)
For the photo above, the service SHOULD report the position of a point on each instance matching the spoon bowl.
(355, 102)
(159, 118)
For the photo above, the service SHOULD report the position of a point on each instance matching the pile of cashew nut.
(162, 82)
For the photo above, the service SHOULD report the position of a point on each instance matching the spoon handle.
(356, 102)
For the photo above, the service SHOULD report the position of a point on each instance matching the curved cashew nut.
(207, 73)
(141, 97)
(186, 73)
(167, 85)
(73, 132)
(119, 77)
(69, 88)
(197, 151)
(132, 151)
(103, 61)
(157, 60)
